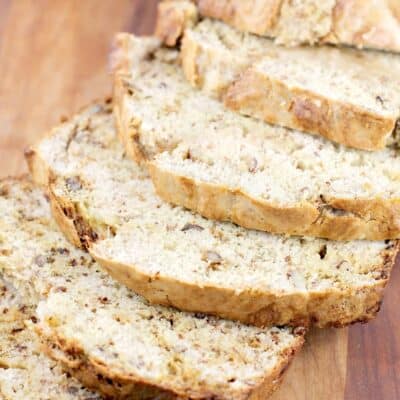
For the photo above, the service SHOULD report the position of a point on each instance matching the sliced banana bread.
(231, 167)
(345, 95)
(25, 372)
(173, 256)
(361, 23)
(110, 338)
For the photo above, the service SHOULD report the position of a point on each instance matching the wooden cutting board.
(53, 60)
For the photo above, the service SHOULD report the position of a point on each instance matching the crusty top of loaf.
(362, 23)
(135, 227)
(198, 137)
(116, 330)
(26, 373)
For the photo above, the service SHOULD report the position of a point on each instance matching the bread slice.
(347, 96)
(361, 23)
(25, 372)
(174, 257)
(230, 167)
(111, 338)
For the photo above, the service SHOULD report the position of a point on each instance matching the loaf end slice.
(112, 339)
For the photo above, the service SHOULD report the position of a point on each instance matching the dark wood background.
(53, 60)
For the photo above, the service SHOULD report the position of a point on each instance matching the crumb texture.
(25, 372)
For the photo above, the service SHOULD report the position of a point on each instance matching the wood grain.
(373, 365)
(53, 60)
(319, 372)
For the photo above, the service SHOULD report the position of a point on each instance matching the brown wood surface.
(53, 60)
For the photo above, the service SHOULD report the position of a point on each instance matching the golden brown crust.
(41, 175)
(96, 376)
(361, 23)
(272, 101)
(329, 308)
(66, 225)
(114, 384)
(336, 219)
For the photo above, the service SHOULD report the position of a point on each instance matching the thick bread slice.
(230, 167)
(347, 96)
(25, 372)
(361, 23)
(111, 338)
(173, 256)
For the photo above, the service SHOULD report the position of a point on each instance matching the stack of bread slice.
(171, 243)
(110, 338)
